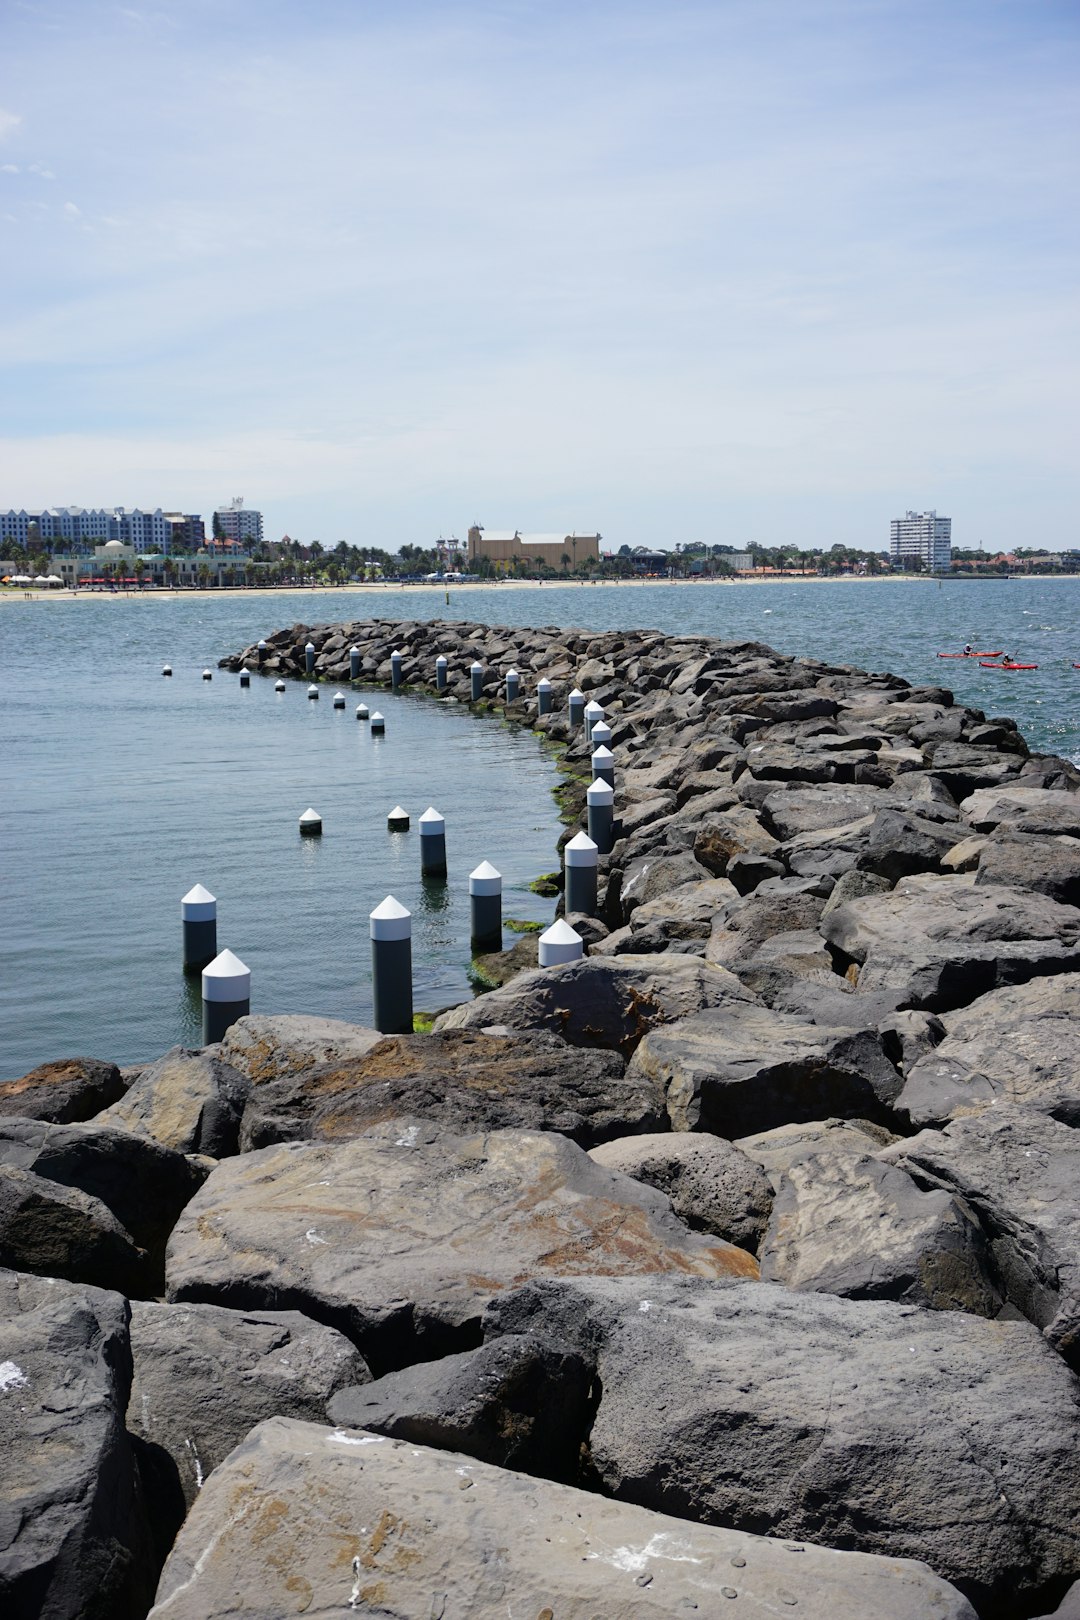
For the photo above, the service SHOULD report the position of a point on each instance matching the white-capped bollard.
(543, 696)
(513, 685)
(579, 874)
(575, 708)
(440, 674)
(198, 921)
(313, 693)
(361, 711)
(378, 725)
(339, 700)
(601, 734)
(279, 686)
(245, 677)
(260, 651)
(395, 669)
(207, 674)
(600, 799)
(397, 820)
(354, 663)
(485, 907)
(391, 968)
(226, 995)
(593, 712)
(309, 657)
(559, 945)
(310, 823)
(476, 682)
(432, 843)
(603, 766)
(167, 670)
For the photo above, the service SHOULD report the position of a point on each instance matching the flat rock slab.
(71, 1089)
(712, 1186)
(866, 1230)
(266, 1048)
(601, 1001)
(1032, 810)
(463, 1080)
(399, 1239)
(1018, 1045)
(1019, 1170)
(188, 1100)
(73, 1540)
(205, 1376)
(778, 1149)
(323, 1522)
(881, 1427)
(743, 1068)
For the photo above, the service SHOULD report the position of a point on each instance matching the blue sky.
(750, 270)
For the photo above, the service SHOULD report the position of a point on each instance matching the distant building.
(923, 535)
(504, 547)
(79, 530)
(238, 522)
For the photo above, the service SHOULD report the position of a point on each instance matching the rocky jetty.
(737, 1263)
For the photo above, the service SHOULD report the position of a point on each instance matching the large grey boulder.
(188, 1100)
(56, 1231)
(1023, 809)
(70, 1089)
(938, 942)
(790, 812)
(204, 1376)
(1019, 1171)
(856, 1227)
(743, 1068)
(73, 1537)
(330, 1521)
(1017, 1045)
(712, 1186)
(266, 1048)
(463, 1080)
(601, 1001)
(882, 1427)
(518, 1402)
(400, 1238)
(1049, 866)
(777, 1150)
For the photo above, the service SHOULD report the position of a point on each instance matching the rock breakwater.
(737, 1263)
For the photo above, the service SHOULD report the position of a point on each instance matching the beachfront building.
(79, 530)
(505, 547)
(238, 523)
(923, 536)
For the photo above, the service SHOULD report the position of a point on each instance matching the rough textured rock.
(188, 1100)
(602, 1001)
(1019, 1171)
(881, 1427)
(743, 1068)
(272, 1048)
(1024, 809)
(71, 1089)
(1018, 1045)
(518, 1402)
(400, 1238)
(73, 1539)
(56, 1231)
(786, 1145)
(1049, 866)
(463, 1080)
(712, 1186)
(842, 1225)
(205, 1376)
(390, 1527)
(144, 1184)
(939, 942)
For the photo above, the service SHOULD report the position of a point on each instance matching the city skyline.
(713, 272)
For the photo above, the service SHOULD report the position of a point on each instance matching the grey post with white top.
(391, 968)
(575, 708)
(440, 673)
(543, 696)
(226, 995)
(600, 799)
(485, 907)
(309, 657)
(198, 918)
(476, 682)
(579, 874)
(559, 945)
(432, 843)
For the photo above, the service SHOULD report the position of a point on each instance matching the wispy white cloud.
(9, 122)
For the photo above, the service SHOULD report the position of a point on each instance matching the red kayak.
(977, 655)
(1011, 666)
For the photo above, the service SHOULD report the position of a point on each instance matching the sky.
(740, 271)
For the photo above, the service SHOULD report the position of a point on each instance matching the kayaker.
(968, 649)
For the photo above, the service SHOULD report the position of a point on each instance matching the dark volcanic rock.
(73, 1537)
(72, 1089)
(56, 1231)
(881, 1427)
(1049, 866)
(712, 1185)
(464, 1081)
(188, 1100)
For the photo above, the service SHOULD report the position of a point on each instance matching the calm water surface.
(123, 789)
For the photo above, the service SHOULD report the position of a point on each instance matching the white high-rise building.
(238, 522)
(923, 535)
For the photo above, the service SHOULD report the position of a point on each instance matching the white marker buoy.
(361, 711)
(207, 675)
(339, 700)
(579, 871)
(167, 669)
(378, 724)
(485, 907)
(559, 945)
(226, 995)
(313, 693)
(398, 820)
(245, 677)
(310, 823)
(279, 686)
(391, 968)
(198, 919)
(432, 843)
